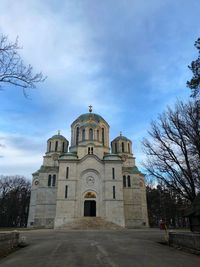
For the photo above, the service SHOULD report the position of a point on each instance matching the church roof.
(111, 156)
(133, 170)
(89, 124)
(89, 116)
(68, 155)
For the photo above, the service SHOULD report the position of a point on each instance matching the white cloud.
(19, 154)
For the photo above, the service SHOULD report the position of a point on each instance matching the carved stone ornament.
(55, 157)
(124, 157)
(90, 180)
(141, 184)
(36, 182)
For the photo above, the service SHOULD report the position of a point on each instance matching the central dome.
(87, 117)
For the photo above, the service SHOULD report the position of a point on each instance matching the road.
(95, 248)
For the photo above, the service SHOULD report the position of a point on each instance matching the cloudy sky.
(128, 58)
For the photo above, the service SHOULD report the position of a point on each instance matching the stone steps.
(86, 223)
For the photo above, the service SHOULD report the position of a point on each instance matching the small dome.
(121, 137)
(121, 144)
(58, 136)
(89, 116)
(57, 143)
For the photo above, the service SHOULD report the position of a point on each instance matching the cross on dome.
(90, 108)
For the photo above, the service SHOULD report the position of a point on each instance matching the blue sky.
(127, 58)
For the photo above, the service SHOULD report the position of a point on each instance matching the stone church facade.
(87, 179)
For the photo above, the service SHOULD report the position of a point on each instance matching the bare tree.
(173, 149)
(12, 68)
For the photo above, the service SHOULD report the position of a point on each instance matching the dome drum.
(90, 127)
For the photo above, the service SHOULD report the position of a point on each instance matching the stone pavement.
(95, 248)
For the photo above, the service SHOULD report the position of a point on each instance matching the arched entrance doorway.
(90, 204)
(90, 208)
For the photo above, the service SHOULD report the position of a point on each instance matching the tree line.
(166, 205)
(14, 201)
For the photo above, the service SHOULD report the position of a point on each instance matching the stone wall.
(8, 242)
(187, 240)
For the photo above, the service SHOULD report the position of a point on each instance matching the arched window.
(98, 135)
(49, 146)
(83, 135)
(91, 134)
(103, 136)
(49, 180)
(56, 146)
(129, 151)
(129, 181)
(122, 146)
(124, 181)
(114, 192)
(113, 173)
(63, 147)
(66, 191)
(67, 172)
(90, 150)
(115, 147)
(54, 180)
(77, 135)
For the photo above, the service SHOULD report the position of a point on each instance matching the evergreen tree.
(194, 83)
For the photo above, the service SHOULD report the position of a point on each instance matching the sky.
(127, 58)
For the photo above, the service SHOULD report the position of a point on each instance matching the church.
(88, 178)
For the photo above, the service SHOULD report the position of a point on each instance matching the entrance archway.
(90, 208)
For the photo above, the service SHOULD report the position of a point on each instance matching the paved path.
(134, 248)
